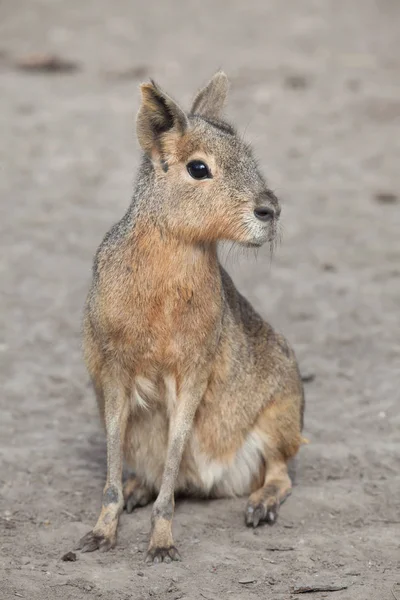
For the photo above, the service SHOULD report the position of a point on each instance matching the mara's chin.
(259, 241)
(255, 241)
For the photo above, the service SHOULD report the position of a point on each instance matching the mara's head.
(207, 185)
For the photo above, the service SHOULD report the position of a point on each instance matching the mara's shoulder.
(112, 240)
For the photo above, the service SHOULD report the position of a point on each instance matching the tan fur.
(198, 394)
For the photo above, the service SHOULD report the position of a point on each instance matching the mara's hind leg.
(279, 426)
(263, 504)
(136, 493)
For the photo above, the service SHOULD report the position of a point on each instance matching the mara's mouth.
(254, 244)
(267, 235)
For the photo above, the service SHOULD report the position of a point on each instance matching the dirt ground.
(315, 86)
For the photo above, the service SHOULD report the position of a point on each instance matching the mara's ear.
(158, 114)
(210, 101)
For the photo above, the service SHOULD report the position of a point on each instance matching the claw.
(95, 541)
(159, 555)
(256, 514)
(272, 514)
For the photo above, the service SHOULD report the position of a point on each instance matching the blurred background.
(316, 89)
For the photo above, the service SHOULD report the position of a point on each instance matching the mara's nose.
(266, 213)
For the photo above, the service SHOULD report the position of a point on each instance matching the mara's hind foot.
(136, 494)
(263, 504)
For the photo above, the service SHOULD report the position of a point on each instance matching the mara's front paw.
(159, 555)
(96, 541)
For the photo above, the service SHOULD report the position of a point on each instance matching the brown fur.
(198, 394)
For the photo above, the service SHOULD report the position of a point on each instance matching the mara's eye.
(198, 170)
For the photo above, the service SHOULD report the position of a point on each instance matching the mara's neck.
(161, 261)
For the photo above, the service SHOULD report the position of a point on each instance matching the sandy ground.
(316, 88)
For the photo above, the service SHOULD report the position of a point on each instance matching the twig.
(272, 562)
(318, 588)
(46, 64)
(279, 549)
(69, 514)
(387, 521)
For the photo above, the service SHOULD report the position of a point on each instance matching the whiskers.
(232, 252)
(276, 239)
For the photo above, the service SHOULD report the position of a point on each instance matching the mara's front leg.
(184, 402)
(116, 410)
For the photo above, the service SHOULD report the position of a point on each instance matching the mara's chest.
(160, 302)
(165, 328)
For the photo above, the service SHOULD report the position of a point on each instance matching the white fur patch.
(144, 391)
(235, 478)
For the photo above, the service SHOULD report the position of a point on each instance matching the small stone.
(69, 557)
(354, 85)
(386, 198)
(329, 268)
(296, 82)
(307, 378)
